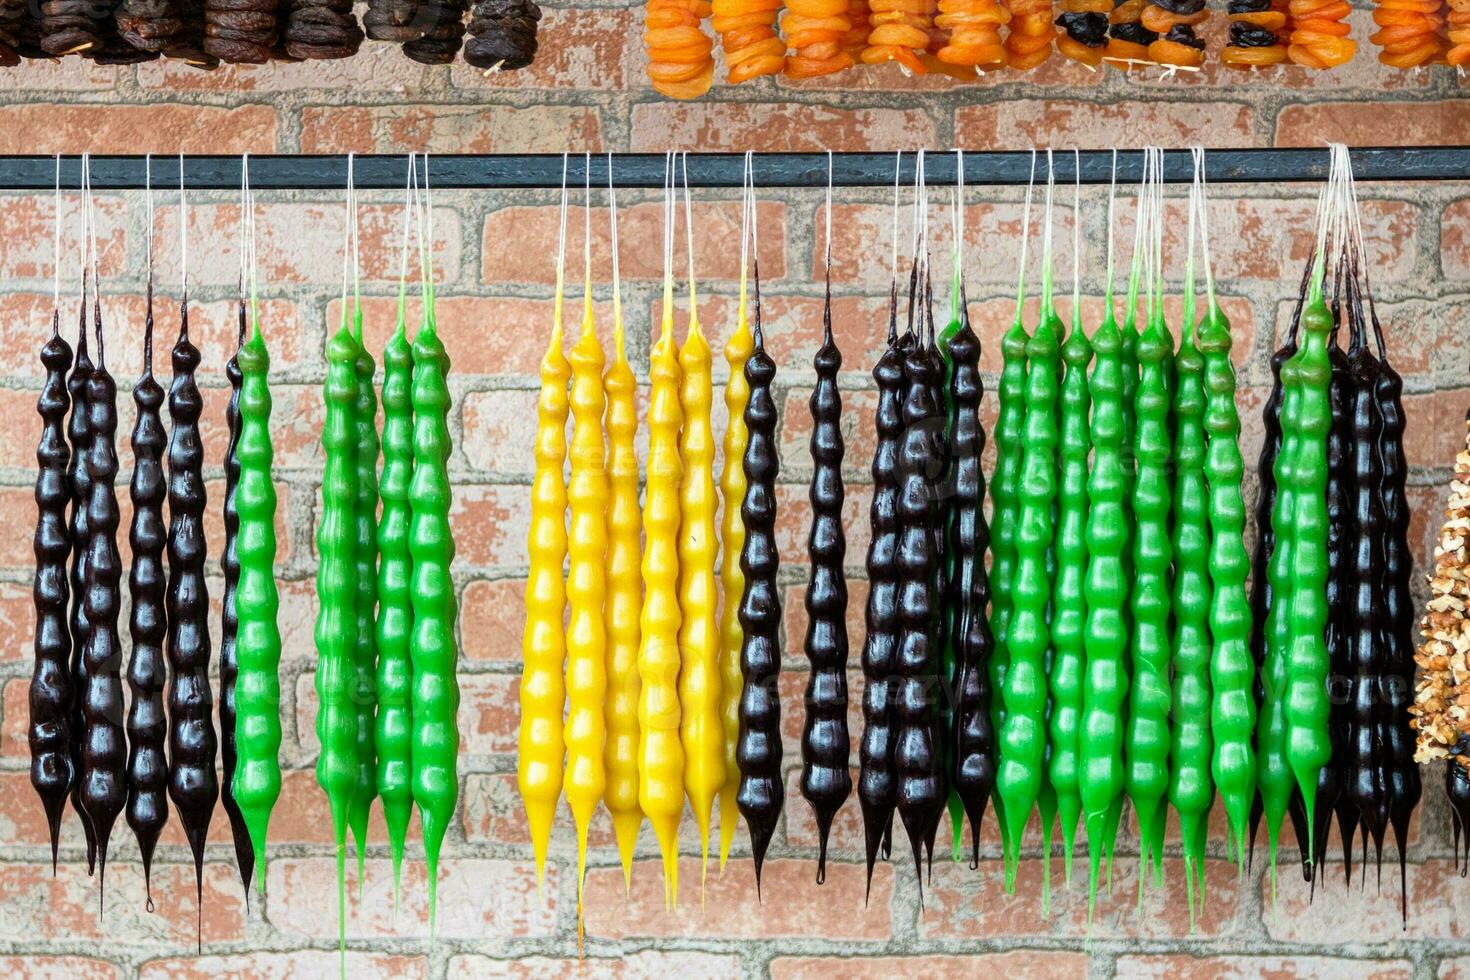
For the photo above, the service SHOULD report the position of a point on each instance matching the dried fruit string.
(1021, 774)
(1177, 44)
(1069, 605)
(732, 524)
(337, 585)
(1084, 25)
(1401, 777)
(229, 665)
(257, 781)
(825, 779)
(1146, 747)
(1319, 34)
(747, 30)
(587, 497)
(1004, 489)
(50, 731)
(1259, 33)
(814, 30)
(973, 39)
(1191, 789)
(701, 728)
(393, 726)
(877, 779)
(660, 752)
(104, 743)
(1100, 765)
(625, 589)
(147, 725)
(762, 793)
(972, 738)
(1232, 671)
(899, 32)
(1029, 41)
(433, 650)
(680, 60)
(365, 553)
(921, 790)
(540, 748)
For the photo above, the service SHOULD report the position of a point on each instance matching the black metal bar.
(646, 170)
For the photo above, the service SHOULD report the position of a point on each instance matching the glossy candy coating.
(543, 644)
(147, 725)
(762, 792)
(79, 435)
(972, 738)
(1069, 606)
(229, 665)
(193, 786)
(393, 728)
(103, 777)
(258, 642)
(825, 780)
(365, 654)
(1232, 671)
(336, 586)
(587, 491)
(625, 602)
(1146, 746)
(432, 646)
(50, 731)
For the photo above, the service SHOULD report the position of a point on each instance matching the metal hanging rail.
(646, 170)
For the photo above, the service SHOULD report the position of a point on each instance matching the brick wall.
(495, 256)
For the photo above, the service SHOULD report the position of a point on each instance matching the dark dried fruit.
(502, 34)
(1182, 7)
(1134, 33)
(1184, 34)
(1249, 6)
(1088, 29)
(443, 30)
(393, 20)
(321, 30)
(1250, 36)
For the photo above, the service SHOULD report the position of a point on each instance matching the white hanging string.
(250, 246)
(745, 207)
(1076, 235)
(587, 231)
(689, 241)
(56, 242)
(958, 222)
(410, 185)
(1204, 221)
(1046, 272)
(244, 220)
(183, 238)
(612, 219)
(561, 242)
(1112, 194)
(893, 241)
(347, 239)
(668, 230)
(1025, 237)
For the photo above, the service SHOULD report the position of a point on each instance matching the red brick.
(483, 334)
(520, 243)
(489, 714)
(17, 622)
(1420, 123)
(1017, 125)
(1455, 239)
(297, 817)
(774, 127)
(23, 822)
(1435, 429)
(478, 899)
(490, 524)
(300, 243)
(491, 617)
(492, 812)
(376, 68)
(1359, 917)
(449, 129)
(29, 251)
(15, 714)
(793, 906)
(648, 965)
(159, 128)
(589, 53)
(59, 75)
(1274, 244)
(963, 903)
(1028, 964)
(861, 233)
(17, 509)
(64, 908)
(1455, 969)
(499, 426)
(1186, 967)
(303, 964)
(59, 967)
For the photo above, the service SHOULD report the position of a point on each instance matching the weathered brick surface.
(495, 259)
